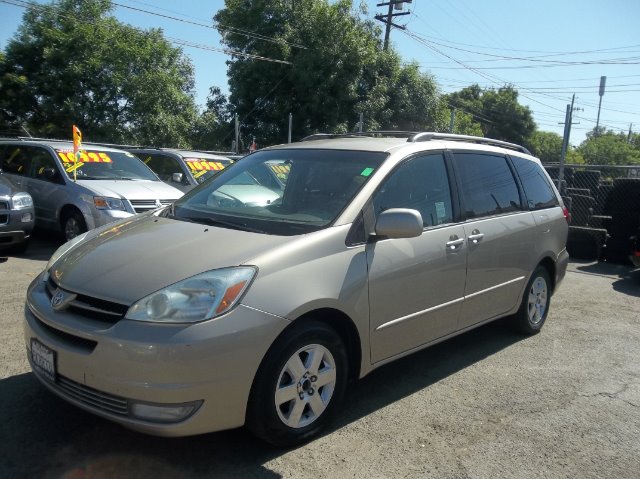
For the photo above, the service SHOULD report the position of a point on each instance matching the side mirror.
(399, 223)
(49, 173)
(176, 177)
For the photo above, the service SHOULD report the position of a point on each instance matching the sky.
(547, 49)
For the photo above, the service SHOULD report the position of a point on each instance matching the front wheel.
(73, 225)
(299, 385)
(535, 303)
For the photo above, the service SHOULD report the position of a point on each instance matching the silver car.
(107, 184)
(212, 314)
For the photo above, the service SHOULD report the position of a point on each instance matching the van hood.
(132, 189)
(129, 260)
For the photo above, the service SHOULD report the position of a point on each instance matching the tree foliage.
(498, 112)
(338, 70)
(73, 63)
(545, 145)
(605, 147)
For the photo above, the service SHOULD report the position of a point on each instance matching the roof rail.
(428, 136)
(362, 134)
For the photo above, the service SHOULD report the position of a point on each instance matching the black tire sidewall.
(79, 218)
(262, 417)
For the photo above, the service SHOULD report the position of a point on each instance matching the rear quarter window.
(537, 189)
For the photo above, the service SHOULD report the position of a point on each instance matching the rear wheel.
(299, 385)
(535, 303)
(73, 225)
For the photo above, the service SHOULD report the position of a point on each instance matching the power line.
(56, 10)
(215, 26)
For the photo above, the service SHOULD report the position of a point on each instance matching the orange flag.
(77, 144)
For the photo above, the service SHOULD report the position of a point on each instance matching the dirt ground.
(490, 403)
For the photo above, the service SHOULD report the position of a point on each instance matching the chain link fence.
(604, 202)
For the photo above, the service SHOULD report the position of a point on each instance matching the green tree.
(73, 63)
(545, 145)
(609, 148)
(213, 130)
(499, 113)
(338, 70)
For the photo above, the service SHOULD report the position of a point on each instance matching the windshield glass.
(283, 192)
(105, 165)
(204, 168)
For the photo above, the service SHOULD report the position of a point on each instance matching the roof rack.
(361, 134)
(428, 136)
(415, 136)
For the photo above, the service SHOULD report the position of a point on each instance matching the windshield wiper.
(213, 222)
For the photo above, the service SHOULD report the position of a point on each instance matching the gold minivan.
(248, 304)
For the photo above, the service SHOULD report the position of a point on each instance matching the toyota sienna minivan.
(72, 197)
(214, 313)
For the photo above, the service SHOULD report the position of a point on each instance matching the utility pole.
(453, 120)
(290, 125)
(629, 135)
(388, 18)
(568, 118)
(361, 120)
(603, 82)
(237, 146)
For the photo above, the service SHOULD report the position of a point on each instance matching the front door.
(416, 285)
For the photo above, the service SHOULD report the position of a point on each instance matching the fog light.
(26, 217)
(164, 412)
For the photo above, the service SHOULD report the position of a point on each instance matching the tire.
(73, 225)
(292, 400)
(535, 303)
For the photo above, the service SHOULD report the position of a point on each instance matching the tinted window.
(40, 161)
(488, 186)
(163, 165)
(420, 184)
(16, 159)
(536, 185)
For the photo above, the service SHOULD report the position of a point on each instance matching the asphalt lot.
(490, 403)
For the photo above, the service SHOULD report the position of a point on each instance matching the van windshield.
(283, 192)
(105, 165)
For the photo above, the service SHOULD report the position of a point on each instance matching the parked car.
(182, 169)
(211, 314)
(105, 185)
(16, 216)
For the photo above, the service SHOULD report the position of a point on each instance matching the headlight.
(63, 250)
(200, 297)
(21, 201)
(106, 203)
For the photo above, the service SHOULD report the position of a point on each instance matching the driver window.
(421, 184)
(41, 160)
(164, 166)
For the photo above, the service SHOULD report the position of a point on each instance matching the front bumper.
(13, 228)
(129, 362)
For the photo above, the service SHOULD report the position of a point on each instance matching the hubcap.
(537, 301)
(71, 228)
(305, 386)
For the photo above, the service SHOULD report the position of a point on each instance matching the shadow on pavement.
(629, 282)
(43, 436)
(42, 245)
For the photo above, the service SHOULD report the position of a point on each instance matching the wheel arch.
(550, 265)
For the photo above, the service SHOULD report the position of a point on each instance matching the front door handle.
(475, 237)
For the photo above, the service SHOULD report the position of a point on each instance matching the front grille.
(4, 219)
(86, 344)
(4, 205)
(140, 206)
(92, 397)
(90, 307)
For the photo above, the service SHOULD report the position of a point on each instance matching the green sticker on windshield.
(366, 172)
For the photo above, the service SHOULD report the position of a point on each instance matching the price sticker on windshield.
(85, 157)
(197, 164)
